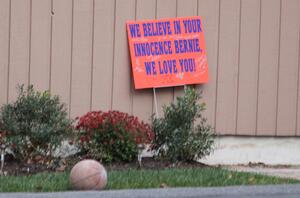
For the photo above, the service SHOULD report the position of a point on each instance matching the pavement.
(278, 171)
(271, 191)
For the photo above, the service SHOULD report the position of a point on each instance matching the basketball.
(88, 175)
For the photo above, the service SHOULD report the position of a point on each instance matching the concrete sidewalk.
(273, 191)
(285, 172)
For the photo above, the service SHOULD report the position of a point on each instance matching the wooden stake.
(155, 103)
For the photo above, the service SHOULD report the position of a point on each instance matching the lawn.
(129, 179)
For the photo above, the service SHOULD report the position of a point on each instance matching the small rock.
(3, 173)
(62, 168)
(163, 185)
(251, 179)
(29, 161)
(63, 161)
(38, 158)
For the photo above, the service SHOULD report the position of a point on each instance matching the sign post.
(155, 103)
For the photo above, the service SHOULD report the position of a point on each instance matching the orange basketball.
(88, 175)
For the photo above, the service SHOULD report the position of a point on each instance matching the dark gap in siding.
(71, 61)
(29, 46)
(153, 99)
(217, 71)
(132, 88)
(197, 12)
(297, 101)
(175, 89)
(51, 45)
(238, 70)
(113, 61)
(8, 54)
(278, 67)
(92, 57)
(258, 68)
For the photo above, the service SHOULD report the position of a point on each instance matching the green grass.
(46, 182)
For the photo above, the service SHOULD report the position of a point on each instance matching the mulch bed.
(12, 167)
(150, 163)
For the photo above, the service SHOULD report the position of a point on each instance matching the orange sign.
(167, 52)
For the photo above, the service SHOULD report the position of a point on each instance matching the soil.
(150, 163)
(13, 167)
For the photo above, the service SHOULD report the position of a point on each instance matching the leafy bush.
(111, 136)
(176, 138)
(35, 124)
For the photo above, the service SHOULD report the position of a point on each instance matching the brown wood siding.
(78, 50)
(268, 67)
(248, 67)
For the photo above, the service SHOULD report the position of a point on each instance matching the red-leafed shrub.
(111, 136)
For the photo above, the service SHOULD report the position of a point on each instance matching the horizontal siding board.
(143, 99)
(4, 49)
(164, 9)
(298, 99)
(209, 11)
(268, 68)
(103, 54)
(19, 46)
(61, 49)
(248, 67)
(40, 44)
(228, 67)
(298, 89)
(184, 8)
(82, 57)
(122, 78)
(288, 68)
(252, 48)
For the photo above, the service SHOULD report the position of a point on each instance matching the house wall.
(78, 49)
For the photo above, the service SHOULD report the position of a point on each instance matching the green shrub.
(35, 124)
(176, 136)
(111, 136)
